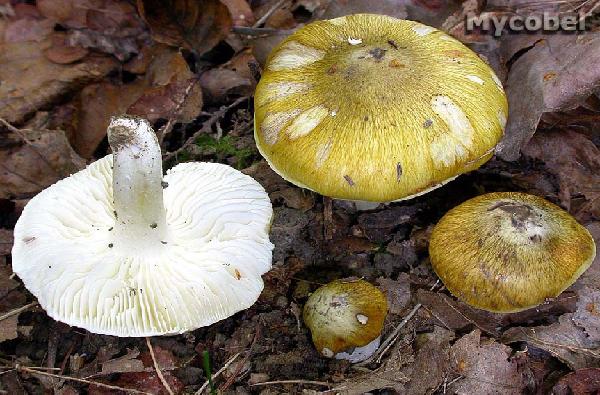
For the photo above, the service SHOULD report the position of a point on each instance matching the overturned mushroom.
(117, 249)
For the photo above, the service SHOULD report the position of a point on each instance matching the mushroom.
(372, 108)
(118, 250)
(345, 318)
(507, 251)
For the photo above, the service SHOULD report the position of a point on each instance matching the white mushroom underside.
(217, 247)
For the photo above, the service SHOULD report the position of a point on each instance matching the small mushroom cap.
(208, 268)
(345, 314)
(507, 251)
(373, 108)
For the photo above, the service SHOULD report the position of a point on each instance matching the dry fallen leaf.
(62, 52)
(397, 292)
(558, 73)
(431, 364)
(126, 363)
(587, 315)
(574, 160)
(8, 328)
(486, 367)
(197, 25)
(30, 81)
(28, 167)
(581, 382)
(220, 83)
(235, 78)
(156, 95)
(565, 340)
(240, 11)
(395, 8)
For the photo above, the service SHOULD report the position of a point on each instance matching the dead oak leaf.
(587, 315)
(157, 94)
(30, 81)
(240, 12)
(557, 73)
(27, 167)
(196, 25)
(485, 367)
(581, 382)
(563, 339)
(126, 363)
(574, 160)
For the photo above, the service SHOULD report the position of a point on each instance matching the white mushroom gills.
(137, 184)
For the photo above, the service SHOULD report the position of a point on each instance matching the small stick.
(268, 14)
(214, 376)
(394, 336)
(391, 339)
(235, 375)
(58, 376)
(310, 382)
(158, 371)
(258, 31)
(17, 310)
(168, 128)
(65, 360)
(327, 218)
(205, 127)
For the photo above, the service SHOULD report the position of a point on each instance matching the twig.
(268, 14)
(258, 31)
(327, 218)
(205, 127)
(157, 368)
(58, 376)
(308, 382)
(590, 12)
(235, 375)
(17, 310)
(214, 376)
(168, 127)
(65, 360)
(385, 346)
(391, 339)
(30, 367)
(574, 349)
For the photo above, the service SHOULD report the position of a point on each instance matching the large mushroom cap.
(508, 251)
(373, 108)
(89, 268)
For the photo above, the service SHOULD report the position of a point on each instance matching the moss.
(224, 148)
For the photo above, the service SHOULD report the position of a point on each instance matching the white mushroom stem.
(137, 182)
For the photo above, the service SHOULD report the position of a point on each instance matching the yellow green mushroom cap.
(345, 314)
(373, 108)
(507, 251)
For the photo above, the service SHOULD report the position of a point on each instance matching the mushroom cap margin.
(210, 267)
